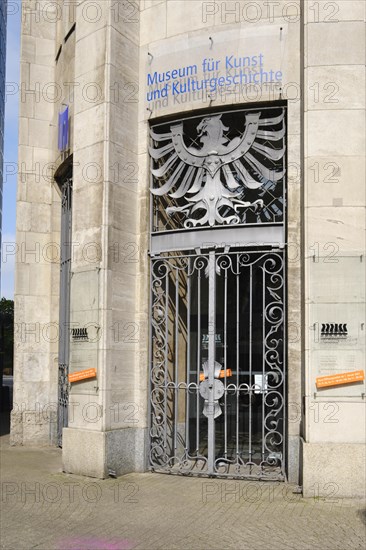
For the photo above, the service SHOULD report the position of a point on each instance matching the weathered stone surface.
(336, 470)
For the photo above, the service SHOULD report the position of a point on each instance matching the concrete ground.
(44, 508)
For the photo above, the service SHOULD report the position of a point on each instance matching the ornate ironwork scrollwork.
(178, 458)
(223, 169)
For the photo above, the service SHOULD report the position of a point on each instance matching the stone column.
(334, 144)
(33, 419)
(105, 432)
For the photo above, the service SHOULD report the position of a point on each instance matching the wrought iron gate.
(64, 316)
(217, 375)
(217, 347)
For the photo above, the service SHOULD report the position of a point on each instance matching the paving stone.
(45, 509)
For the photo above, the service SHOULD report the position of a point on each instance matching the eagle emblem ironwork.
(210, 177)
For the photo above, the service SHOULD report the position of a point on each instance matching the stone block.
(123, 205)
(41, 132)
(124, 168)
(88, 200)
(84, 453)
(43, 25)
(153, 23)
(335, 181)
(38, 190)
(123, 286)
(121, 369)
(92, 118)
(333, 470)
(341, 43)
(24, 138)
(335, 87)
(125, 19)
(22, 278)
(88, 165)
(122, 115)
(39, 77)
(333, 420)
(90, 89)
(124, 57)
(128, 246)
(249, 13)
(293, 456)
(29, 49)
(336, 231)
(185, 17)
(16, 432)
(45, 52)
(90, 17)
(333, 12)
(95, 42)
(41, 218)
(126, 450)
(335, 133)
(24, 218)
(87, 247)
(29, 428)
(147, 4)
(86, 409)
(94, 454)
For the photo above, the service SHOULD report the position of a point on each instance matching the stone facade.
(95, 57)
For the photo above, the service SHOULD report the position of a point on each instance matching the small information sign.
(339, 379)
(82, 375)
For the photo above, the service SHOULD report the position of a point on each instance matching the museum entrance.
(217, 395)
(217, 346)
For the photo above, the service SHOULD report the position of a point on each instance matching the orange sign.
(229, 372)
(339, 379)
(82, 375)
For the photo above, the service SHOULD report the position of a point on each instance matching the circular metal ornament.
(217, 388)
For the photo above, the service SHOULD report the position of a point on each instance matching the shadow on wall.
(362, 515)
(6, 363)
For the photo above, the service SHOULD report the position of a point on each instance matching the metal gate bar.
(187, 438)
(250, 360)
(211, 360)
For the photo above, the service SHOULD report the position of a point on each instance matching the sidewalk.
(45, 509)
